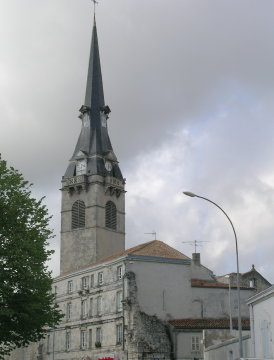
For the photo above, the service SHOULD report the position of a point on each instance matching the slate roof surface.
(215, 284)
(155, 248)
(94, 138)
(209, 323)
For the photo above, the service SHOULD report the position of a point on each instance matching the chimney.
(196, 259)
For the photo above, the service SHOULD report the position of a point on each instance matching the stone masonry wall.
(146, 336)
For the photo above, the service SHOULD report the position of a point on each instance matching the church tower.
(93, 195)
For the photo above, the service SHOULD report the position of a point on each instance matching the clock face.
(108, 165)
(81, 167)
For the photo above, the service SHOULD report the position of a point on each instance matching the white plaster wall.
(228, 350)
(215, 302)
(165, 290)
(183, 348)
(264, 315)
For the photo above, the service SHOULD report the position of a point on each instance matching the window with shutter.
(111, 215)
(78, 215)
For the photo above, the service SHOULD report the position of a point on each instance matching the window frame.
(98, 335)
(83, 339)
(83, 308)
(85, 282)
(91, 307)
(119, 272)
(119, 333)
(195, 343)
(70, 286)
(69, 311)
(68, 340)
(100, 278)
(99, 305)
(78, 215)
(111, 216)
(119, 298)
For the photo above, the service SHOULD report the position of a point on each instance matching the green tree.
(26, 303)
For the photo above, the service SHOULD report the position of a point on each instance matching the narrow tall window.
(100, 278)
(78, 215)
(91, 307)
(68, 341)
(83, 339)
(119, 334)
(98, 335)
(111, 215)
(92, 280)
(119, 272)
(84, 283)
(48, 344)
(69, 308)
(119, 298)
(90, 338)
(70, 286)
(84, 308)
(99, 305)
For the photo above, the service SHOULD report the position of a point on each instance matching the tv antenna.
(152, 233)
(194, 243)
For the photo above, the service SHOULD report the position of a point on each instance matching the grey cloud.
(201, 66)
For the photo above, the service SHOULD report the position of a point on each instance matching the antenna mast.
(152, 233)
(194, 243)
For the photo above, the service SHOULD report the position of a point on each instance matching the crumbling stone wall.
(147, 336)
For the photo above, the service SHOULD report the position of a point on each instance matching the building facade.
(117, 303)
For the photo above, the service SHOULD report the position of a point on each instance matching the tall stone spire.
(93, 188)
(93, 143)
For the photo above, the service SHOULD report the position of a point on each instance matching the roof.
(215, 284)
(261, 296)
(245, 275)
(209, 323)
(155, 248)
(94, 145)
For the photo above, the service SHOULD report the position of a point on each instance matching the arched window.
(111, 215)
(78, 215)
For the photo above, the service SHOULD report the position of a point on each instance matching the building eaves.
(153, 250)
(262, 295)
(209, 323)
(216, 284)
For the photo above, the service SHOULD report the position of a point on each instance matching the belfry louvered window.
(78, 215)
(111, 215)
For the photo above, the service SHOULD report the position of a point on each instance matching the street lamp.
(230, 307)
(188, 193)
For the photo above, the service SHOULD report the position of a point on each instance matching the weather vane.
(94, 3)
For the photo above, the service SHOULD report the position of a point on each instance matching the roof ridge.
(140, 246)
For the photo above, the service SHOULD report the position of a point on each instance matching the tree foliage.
(26, 303)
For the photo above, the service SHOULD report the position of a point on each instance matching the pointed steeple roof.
(93, 142)
(94, 90)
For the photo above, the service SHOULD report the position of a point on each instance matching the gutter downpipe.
(252, 330)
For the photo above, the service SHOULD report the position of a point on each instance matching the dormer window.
(81, 167)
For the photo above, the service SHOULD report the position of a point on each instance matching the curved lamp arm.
(191, 194)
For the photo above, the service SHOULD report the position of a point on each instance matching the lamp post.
(230, 307)
(188, 193)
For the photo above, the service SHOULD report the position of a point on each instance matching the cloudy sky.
(191, 87)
